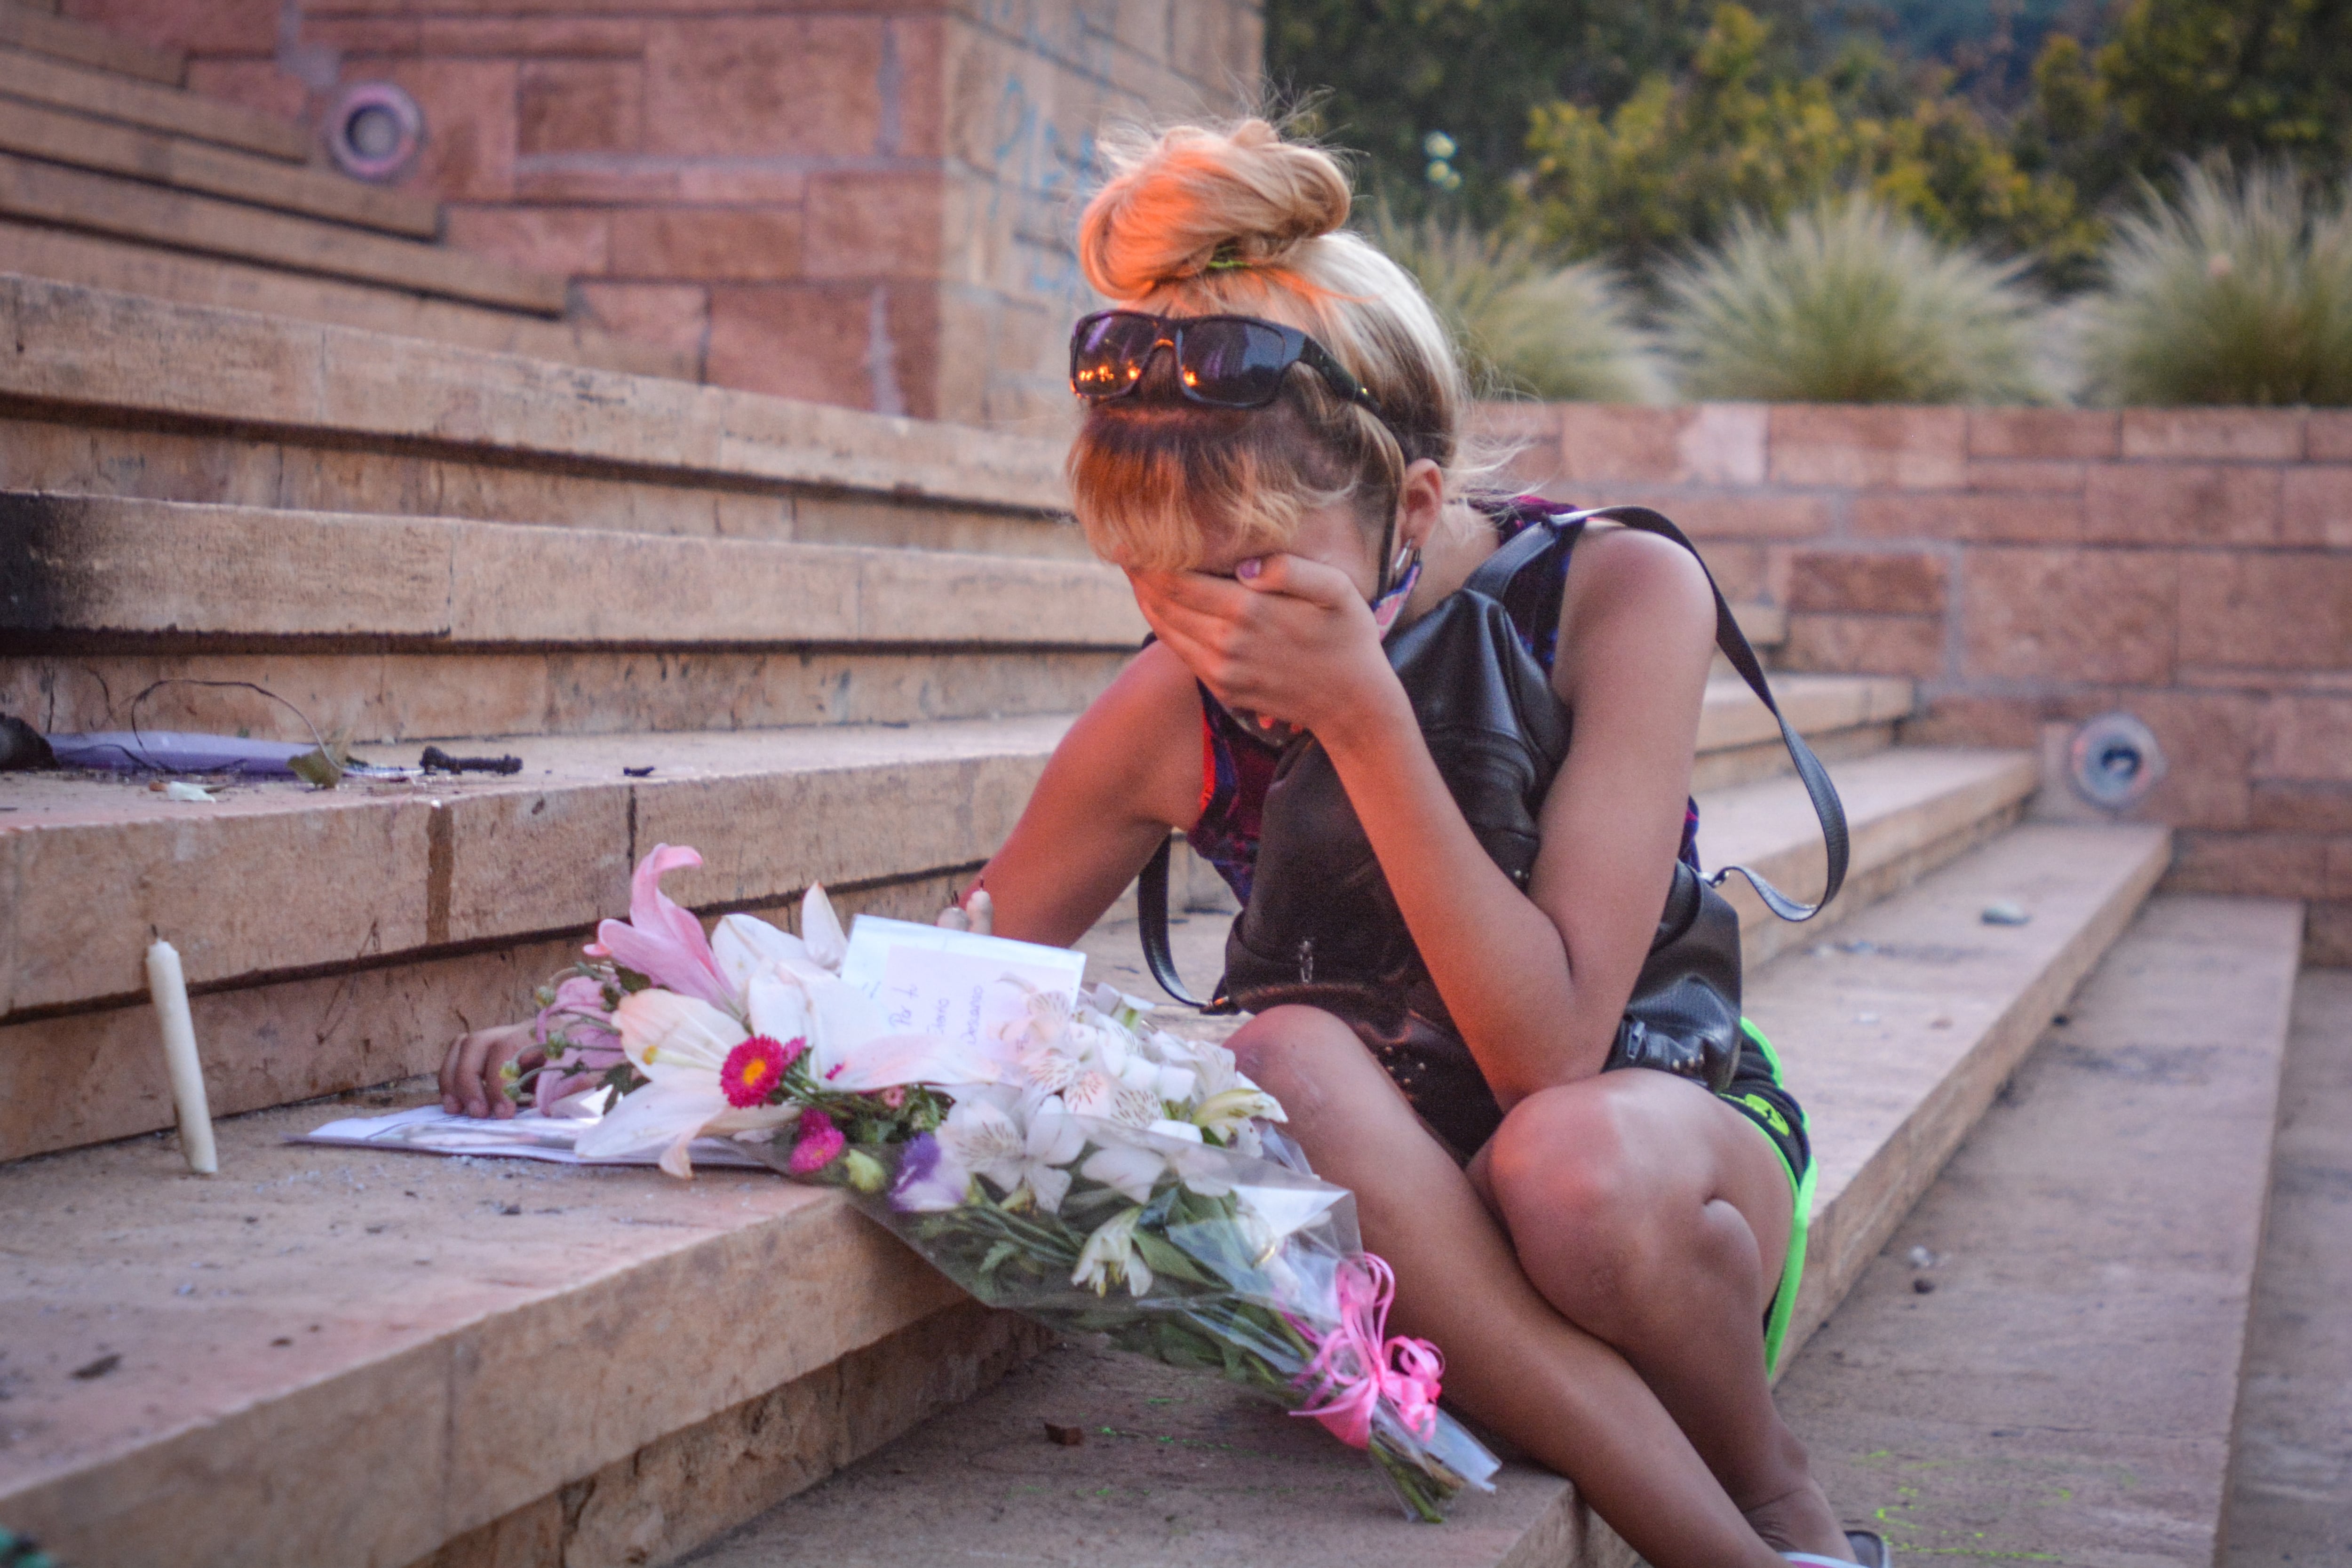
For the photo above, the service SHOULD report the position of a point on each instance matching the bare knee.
(1284, 1047)
(1560, 1166)
(1594, 1222)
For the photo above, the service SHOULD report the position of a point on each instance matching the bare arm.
(1535, 981)
(1128, 771)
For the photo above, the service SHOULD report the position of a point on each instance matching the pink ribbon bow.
(1353, 1368)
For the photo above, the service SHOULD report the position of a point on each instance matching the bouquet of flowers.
(1043, 1148)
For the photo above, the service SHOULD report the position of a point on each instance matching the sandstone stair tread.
(40, 31)
(2291, 1487)
(380, 870)
(1179, 1469)
(107, 95)
(2068, 1389)
(433, 1378)
(437, 859)
(186, 220)
(58, 136)
(112, 564)
(72, 258)
(83, 347)
(470, 1341)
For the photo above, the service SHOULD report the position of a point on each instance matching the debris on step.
(2005, 913)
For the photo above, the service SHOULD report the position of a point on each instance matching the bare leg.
(1572, 1403)
(1654, 1217)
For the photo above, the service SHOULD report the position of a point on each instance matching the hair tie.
(1226, 257)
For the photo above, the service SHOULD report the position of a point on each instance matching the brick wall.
(868, 202)
(2032, 567)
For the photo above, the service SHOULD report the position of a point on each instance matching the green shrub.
(1847, 302)
(2238, 290)
(1525, 328)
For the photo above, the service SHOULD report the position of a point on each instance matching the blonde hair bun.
(1178, 201)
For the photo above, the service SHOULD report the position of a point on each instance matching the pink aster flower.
(821, 1142)
(754, 1068)
(663, 942)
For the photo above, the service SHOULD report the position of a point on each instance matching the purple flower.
(928, 1181)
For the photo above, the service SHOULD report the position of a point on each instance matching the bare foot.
(1801, 1521)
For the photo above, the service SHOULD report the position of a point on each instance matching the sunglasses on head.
(1222, 362)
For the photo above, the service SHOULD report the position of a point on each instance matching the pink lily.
(661, 940)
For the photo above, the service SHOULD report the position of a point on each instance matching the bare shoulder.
(1625, 585)
(1140, 740)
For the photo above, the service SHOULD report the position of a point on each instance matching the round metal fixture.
(374, 131)
(2114, 760)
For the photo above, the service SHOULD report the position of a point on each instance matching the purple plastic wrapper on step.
(177, 752)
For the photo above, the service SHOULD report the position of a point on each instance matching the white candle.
(170, 989)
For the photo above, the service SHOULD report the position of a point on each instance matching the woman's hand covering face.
(1292, 642)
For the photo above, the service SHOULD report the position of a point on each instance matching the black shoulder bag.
(1322, 927)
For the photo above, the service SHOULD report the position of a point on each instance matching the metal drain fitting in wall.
(2114, 760)
(374, 131)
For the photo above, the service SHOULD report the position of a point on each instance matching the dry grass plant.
(1848, 301)
(2236, 291)
(1527, 329)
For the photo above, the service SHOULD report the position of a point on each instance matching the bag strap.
(1827, 808)
(1151, 925)
(1492, 577)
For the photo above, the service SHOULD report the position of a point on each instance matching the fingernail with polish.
(1249, 569)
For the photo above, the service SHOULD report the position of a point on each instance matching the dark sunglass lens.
(1109, 354)
(1238, 364)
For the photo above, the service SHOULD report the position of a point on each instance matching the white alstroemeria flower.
(1183, 1132)
(1109, 1255)
(1042, 1017)
(1130, 1168)
(1228, 1108)
(1110, 1101)
(1216, 1069)
(988, 1139)
(1176, 1085)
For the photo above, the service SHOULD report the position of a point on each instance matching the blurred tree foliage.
(1385, 76)
(1743, 129)
(1630, 130)
(2252, 79)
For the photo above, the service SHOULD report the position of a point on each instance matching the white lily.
(1109, 1257)
(680, 1043)
(1129, 1168)
(664, 1034)
(983, 1136)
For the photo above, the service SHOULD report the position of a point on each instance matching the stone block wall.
(2034, 567)
(866, 202)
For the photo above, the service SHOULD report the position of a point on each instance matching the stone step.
(125, 266)
(80, 198)
(485, 622)
(400, 629)
(300, 413)
(60, 137)
(2067, 1392)
(1177, 1468)
(106, 94)
(450, 1357)
(441, 903)
(39, 30)
(2291, 1480)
